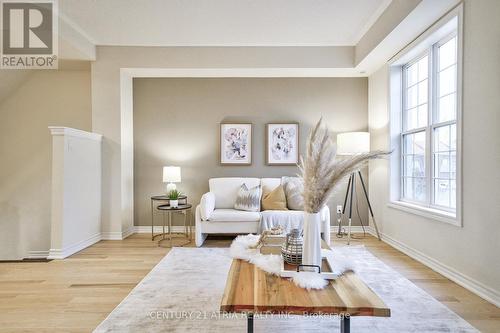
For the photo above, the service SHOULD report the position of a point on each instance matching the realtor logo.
(29, 36)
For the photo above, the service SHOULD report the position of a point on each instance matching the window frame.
(432, 54)
(428, 43)
(404, 132)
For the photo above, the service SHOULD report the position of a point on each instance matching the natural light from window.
(429, 130)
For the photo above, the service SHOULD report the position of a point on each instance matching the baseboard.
(72, 249)
(111, 235)
(355, 229)
(38, 254)
(107, 235)
(117, 235)
(463, 280)
(128, 232)
(144, 229)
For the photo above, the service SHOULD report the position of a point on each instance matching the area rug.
(183, 293)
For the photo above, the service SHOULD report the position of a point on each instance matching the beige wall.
(176, 123)
(45, 98)
(107, 103)
(469, 254)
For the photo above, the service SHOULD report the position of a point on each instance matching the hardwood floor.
(76, 294)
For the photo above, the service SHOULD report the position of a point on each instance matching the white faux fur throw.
(241, 248)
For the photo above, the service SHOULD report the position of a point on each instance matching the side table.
(167, 214)
(165, 200)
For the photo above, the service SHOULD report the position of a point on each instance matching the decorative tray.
(288, 270)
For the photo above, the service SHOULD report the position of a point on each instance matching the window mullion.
(401, 136)
(416, 130)
(428, 167)
(401, 166)
(444, 123)
(430, 122)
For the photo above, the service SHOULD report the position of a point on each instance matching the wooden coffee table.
(252, 291)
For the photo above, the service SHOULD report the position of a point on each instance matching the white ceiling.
(222, 22)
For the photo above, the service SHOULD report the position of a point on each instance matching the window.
(413, 134)
(429, 115)
(425, 118)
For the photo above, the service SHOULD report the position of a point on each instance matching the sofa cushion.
(248, 199)
(226, 189)
(233, 215)
(274, 200)
(270, 183)
(293, 191)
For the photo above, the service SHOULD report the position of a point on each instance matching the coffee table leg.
(250, 323)
(345, 324)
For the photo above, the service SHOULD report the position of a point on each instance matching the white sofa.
(215, 213)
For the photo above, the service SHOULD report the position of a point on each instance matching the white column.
(76, 191)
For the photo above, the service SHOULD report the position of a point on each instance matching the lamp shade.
(171, 174)
(352, 143)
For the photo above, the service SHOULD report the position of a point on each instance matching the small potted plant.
(173, 197)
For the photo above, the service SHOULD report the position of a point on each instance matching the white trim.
(459, 10)
(38, 254)
(68, 131)
(72, 249)
(111, 235)
(427, 212)
(438, 30)
(238, 72)
(476, 287)
(130, 231)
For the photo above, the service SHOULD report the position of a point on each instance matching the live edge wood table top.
(252, 291)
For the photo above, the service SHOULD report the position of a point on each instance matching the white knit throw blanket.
(241, 248)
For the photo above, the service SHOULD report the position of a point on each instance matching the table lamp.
(171, 175)
(352, 143)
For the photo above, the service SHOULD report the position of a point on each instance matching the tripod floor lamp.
(352, 143)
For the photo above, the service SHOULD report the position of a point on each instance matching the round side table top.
(180, 207)
(165, 197)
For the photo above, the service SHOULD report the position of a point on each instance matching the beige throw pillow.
(274, 200)
(293, 191)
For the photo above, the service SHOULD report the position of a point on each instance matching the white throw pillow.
(293, 191)
(248, 199)
(207, 205)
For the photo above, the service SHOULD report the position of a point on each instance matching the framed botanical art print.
(282, 141)
(235, 143)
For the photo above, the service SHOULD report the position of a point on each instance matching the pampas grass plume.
(320, 170)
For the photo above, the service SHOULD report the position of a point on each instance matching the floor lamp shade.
(352, 143)
(171, 175)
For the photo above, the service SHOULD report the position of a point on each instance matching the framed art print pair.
(282, 143)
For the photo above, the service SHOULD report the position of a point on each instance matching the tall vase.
(312, 240)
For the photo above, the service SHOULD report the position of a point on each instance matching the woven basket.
(291, 250)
